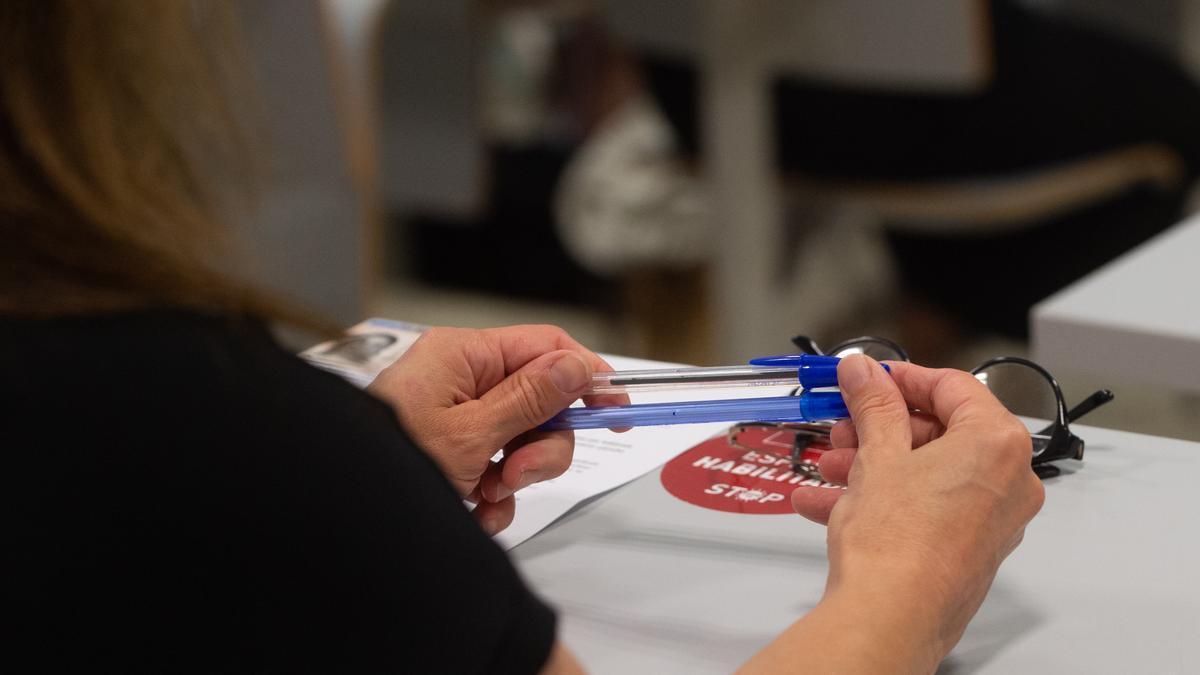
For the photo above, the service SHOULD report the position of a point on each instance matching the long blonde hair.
(120, 139)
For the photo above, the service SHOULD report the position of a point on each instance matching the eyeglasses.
(1027, 389)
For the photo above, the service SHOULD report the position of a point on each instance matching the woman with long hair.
(181, 494)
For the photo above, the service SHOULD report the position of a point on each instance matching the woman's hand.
(935, 501)
(465, 394)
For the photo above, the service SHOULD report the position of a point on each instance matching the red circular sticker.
(721, 477)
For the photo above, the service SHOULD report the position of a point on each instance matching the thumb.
(877, 407)
(534, 394)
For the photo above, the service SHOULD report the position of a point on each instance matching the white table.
(1107, 580)
(1137, 317)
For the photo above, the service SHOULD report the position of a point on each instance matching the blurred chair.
(1076, 146)
(1082, 146)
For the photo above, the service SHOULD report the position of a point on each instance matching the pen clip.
(814, 371)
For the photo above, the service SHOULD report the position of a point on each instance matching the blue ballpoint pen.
(809, 371)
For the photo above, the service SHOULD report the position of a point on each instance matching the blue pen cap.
(813, 370)
(823, 405)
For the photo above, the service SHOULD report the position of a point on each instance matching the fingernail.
(854, 372)
(501, 493)
(526, 479)
(569, 374)
(491, 526)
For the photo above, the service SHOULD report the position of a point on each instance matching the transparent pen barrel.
(626, 381)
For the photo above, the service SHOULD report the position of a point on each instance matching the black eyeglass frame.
(1060, 442)
(803, 434)
(809, 346)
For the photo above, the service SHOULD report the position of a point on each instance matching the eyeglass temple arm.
(806, 344)
(1089, 404)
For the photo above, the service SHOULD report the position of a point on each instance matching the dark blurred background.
(699, 180)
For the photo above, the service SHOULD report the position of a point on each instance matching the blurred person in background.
(182, 495)
(1057, 92)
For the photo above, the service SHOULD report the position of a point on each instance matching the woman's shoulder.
(214, 386)
(158, 355)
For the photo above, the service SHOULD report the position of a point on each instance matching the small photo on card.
(365, 350)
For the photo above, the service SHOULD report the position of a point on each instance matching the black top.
(181, 495)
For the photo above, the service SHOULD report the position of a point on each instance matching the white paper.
(603, 460)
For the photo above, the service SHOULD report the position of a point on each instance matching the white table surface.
(1106, 581)
(1137, 317)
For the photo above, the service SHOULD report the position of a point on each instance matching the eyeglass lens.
(880, 351)
(1023, 390)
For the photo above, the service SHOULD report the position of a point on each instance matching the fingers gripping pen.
(807, 370)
